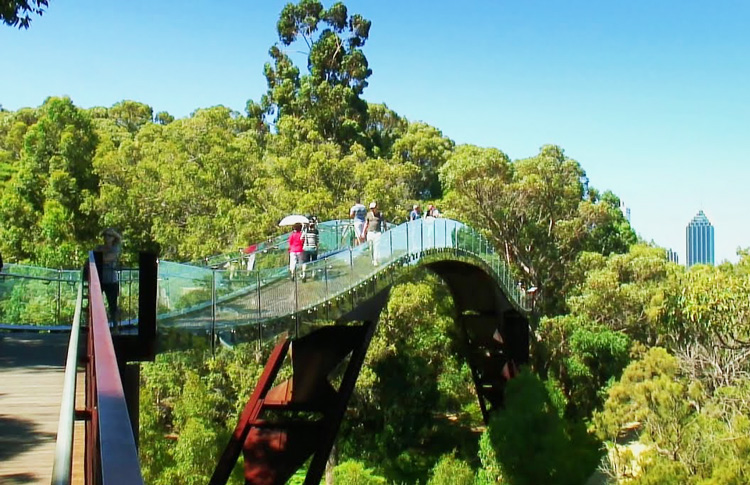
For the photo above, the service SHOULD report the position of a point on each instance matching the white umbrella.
(294, 219)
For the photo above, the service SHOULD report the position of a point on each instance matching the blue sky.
(651, 97)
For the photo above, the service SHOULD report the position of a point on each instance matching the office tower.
(625, 211)
(672, 256)
(699, 239)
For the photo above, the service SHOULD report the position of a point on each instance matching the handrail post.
(408, 254)
(213, 310)
(148, 287)
(421, 237)
(59, 296)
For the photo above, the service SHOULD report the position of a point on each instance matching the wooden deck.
(32, 367)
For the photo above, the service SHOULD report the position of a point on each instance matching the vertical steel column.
(213, 310)
(59, 297)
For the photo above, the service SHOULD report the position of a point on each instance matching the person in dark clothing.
(310, 241)
(111, 250)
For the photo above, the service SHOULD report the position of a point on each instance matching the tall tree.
(425, 147)
(536, 210)
(48, 212)
(330, 92)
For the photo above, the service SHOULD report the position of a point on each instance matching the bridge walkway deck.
(32, 367)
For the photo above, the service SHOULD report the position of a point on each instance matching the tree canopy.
(17, 13)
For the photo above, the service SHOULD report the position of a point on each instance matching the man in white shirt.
(358, 213)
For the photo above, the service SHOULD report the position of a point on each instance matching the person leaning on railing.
(111, 250)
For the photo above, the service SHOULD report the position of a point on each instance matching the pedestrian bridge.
(328, 316)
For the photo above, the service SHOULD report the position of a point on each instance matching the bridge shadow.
(17, 436)
(33, 349)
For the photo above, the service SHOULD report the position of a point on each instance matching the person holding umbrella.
(295, 248)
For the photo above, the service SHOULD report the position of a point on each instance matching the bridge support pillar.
(496, 345)
(282, 426)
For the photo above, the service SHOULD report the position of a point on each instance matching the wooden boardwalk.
(32, 367)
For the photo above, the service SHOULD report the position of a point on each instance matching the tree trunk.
(330, 465)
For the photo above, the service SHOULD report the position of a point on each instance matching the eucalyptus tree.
(537, 211)
(47, 210)
(329, 93)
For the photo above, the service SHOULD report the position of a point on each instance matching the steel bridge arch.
(495, 340)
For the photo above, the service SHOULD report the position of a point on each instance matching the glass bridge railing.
(45, 297)
(334, 236)
(215, 301)
(209, 299)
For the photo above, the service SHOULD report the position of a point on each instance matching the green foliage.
(626, 292)
(582, 357)
(329, 95)
(533, 444)
(691, 436)
(190, 403)
(425, 147)
(403, 433)
(47, 207)
(490, 473)
(16, 12)
(536, 211)
(451, 471)
(353, 472)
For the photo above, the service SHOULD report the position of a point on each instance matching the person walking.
(374, 227)
(358, 212)
(110, 281)
(310, 240)
(295, 248)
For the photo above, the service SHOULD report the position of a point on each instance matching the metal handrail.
(61, 469)
(111, 450)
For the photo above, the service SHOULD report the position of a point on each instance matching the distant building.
(625, 210)
(699, 240)
(672, 256)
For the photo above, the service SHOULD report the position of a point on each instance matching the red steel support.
(489, 357)
(283, 426)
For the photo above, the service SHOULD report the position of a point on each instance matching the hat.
(416, 206)
(373, 204)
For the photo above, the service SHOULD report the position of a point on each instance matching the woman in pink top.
(295, 248)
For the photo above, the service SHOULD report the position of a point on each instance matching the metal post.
(421, 238)
(260, 325)
(296, 304)
(213, 309)
(407, 240)
(445, 233)
(390, 237)
(325, 278)
(59, 296)
(130, 294)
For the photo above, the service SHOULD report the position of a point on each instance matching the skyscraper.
(699, 238)
(672, 256)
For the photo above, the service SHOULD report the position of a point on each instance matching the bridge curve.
(232, 304)
(352, 287)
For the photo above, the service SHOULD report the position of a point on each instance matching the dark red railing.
(111, 456)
